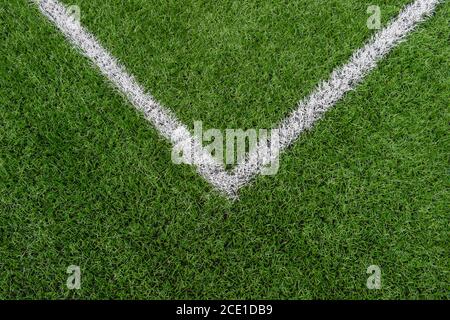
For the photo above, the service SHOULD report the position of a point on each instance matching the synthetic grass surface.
(86, 181)
(233, 64)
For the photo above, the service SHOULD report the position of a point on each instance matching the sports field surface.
(87, 180)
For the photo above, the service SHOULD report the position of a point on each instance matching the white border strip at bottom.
(309, 110)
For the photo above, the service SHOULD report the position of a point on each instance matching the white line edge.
(342, 80)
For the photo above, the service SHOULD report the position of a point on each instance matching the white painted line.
(309, 110)
(341, 81)
(163, 120)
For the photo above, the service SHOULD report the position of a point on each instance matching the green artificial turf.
(85, 180)
(236, 64)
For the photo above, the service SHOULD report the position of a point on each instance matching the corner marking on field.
(342, 80)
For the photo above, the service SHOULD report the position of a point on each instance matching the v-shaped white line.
(309, 110)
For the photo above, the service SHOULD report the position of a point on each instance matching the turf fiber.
(85, 180)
